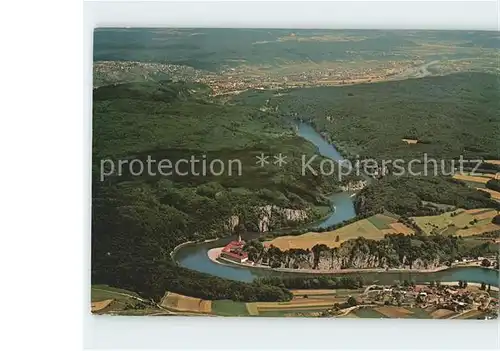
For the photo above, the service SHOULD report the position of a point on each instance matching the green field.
(121, 302)
(420, 313)
(370, 312)
(229, 308)
(367, 312)
(441, 222)
(100, 292)
(381, 221)
(291, 312)
(449, 222)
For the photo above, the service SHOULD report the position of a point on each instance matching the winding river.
(194, 256)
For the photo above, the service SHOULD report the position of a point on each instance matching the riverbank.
(213, 255)
(178, 247)
(195, 256)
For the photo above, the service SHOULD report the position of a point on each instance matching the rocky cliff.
(354, 185)
(352, 254)
(271, 214)
(336, 260)
(271, 217)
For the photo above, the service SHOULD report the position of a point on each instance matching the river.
(194, 256)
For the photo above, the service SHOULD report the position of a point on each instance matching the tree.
(485, 263)
(493, 184)
(351, 301)
(496, 219)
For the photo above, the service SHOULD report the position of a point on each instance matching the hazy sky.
(353, 14)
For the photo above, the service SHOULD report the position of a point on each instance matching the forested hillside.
(138, 220)
(449, 116)
(408, 196)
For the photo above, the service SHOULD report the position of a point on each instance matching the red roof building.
(234, 252)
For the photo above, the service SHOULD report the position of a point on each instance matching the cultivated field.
(401, 228)
(374, 227)
(317, 301)
(96, 306)
(230, 308)
(368, 312)
(462, 223)
(478, 229)
(106, 299)
(442, 313)
(313, 292)
(399, 312)
(252, 308)
(183, 303)
(306, 307)
(475, 179)
(393, 311)
(470, 314)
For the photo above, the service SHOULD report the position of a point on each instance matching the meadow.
(374, 227)
(460, 222)
(182, 303)
(107, 299)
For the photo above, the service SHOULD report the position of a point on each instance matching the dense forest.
(316, 282)
(137, 220)
(450, 116)
(408, 196)
(493, 184)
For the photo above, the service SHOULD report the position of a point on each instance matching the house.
(234, 251)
